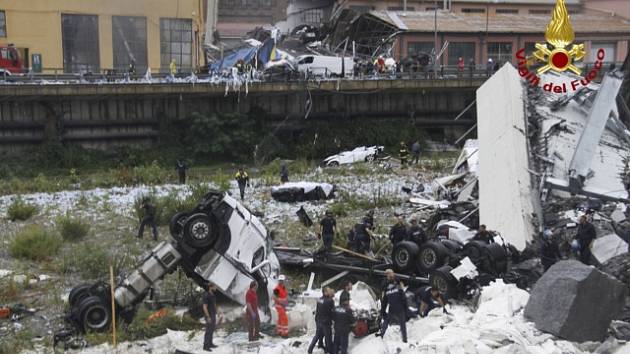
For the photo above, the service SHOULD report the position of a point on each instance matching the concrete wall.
(505, 187)
(36, 24)
(105, 115)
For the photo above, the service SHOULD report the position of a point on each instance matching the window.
(307, 60)
(474, 11)
(79, 35)
(457, 50)
(500, 52)
(3, 24)
(415, 48)
(312, 16)
(400, 8)
(507, 11)
(129, 35)
(258, 257)
(539, 12)
(176, 42)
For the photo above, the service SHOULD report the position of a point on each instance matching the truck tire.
(78, 294)
(442, 279)
(496, 258)
(474, 251)
(200, 231)
(333, 164)
(404, 255)
(176, 225)
(430, 256)
(94, 315)
(370, 158)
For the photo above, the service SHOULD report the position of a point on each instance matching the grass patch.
(141, 328)
(169, 205)
(72, 229)
(10, 291)
(92, 261)
(35, 243)
(20, 210)
(20, 340)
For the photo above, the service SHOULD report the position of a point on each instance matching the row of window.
(499, 51)
(81, 49)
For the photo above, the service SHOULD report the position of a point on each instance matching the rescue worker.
(132, 67)
(148, 218)
(549, 250)
(344, 320)
(460, 66)
(483, 235)
(430, 298)
(415, 151)
(327, 230)
(243, 180)
(415, 233)
(393, 305)
(172, 68)
(210, 314)
(398, 232)
(281, 301)
(363, 236)
(323, 321)
(284, 174)
(345, 294)
(181, 168)
(490, 67)
(252, 318)
(369, 216)
(585, 235)
(403, 154)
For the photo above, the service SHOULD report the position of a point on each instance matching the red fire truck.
(11, 61)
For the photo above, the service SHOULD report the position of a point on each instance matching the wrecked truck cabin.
(219, 241)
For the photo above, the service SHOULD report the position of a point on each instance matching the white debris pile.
(496, 327)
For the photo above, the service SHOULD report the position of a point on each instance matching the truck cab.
(10, 60)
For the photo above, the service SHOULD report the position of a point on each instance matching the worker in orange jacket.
(281, 300)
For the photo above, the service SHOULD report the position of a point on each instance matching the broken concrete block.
(575, 302)
(607, 247)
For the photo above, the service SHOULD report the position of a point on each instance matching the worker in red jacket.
(251, 313)
(281, 300)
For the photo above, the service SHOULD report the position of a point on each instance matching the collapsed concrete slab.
(505, 188)
(575, 302)
(607, 247)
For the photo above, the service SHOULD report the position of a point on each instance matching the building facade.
(237, 17)
(97, 35)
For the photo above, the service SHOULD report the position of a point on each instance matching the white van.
(324, 66)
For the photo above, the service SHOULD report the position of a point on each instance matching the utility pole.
(435, 39)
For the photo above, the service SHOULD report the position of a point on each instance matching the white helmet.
(281, 277)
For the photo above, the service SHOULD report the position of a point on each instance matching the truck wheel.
(404, 254)
(430, 257)
(177, 224)
(94, 316)
(474, 251)
(199, 231)
(496, 258)
(370, 158)
(78, 293)
(442, 279)
(333, 164)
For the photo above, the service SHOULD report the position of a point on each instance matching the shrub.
(20, 210)
(151, 174)
(72, 229)
(231, 135)
(35, 243)
(169, 205)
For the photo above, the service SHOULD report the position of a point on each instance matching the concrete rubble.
(575, 302)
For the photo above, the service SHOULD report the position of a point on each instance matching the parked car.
(360, 154)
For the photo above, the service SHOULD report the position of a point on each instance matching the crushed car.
(292, 192)
(219, 241)
(360, 154)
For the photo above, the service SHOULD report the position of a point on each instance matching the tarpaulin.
(247, 54)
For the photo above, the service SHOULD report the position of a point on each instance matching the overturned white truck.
(220, 241)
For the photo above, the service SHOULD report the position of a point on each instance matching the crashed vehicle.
(219, 241)
(302, 191)
(360, 154)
